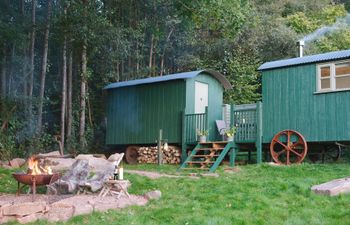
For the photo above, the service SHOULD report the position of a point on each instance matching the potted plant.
(202, 135)
(230, 133)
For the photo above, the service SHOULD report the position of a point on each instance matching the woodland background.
(56, 56)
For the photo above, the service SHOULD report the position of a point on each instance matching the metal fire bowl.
(40, 179)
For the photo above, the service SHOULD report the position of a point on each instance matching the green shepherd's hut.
(178, 104)
(310, 94)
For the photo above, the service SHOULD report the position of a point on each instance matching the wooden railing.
(192, 123)
(245, 121)
(248, 122)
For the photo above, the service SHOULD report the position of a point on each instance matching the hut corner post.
(207, 121)
(259, 132)
(234, 148)
(183, 142)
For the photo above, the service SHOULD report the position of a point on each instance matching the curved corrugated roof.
(306, 59)
(186, 75)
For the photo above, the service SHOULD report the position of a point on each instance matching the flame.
(34, 168)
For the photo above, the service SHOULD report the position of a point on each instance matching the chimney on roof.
(300, 44)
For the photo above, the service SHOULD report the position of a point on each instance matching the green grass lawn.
(257, 194)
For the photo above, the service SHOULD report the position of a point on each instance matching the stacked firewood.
(150, 155)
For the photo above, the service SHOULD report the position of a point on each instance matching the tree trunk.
(64, 97)
(151, 54)
(154, 60)
(69, 98)
(3, 75)
(44, 66)
(89, 107)
(122, 71)
(22, 7)
(164, 48)
(83, 96)
(137, 58)
(32, 48)
(10, 78)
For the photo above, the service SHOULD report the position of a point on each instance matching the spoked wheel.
(288, 147)
(328, 154)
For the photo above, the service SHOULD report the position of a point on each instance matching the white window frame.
(332, 77)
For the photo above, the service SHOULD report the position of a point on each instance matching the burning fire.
(34, 168)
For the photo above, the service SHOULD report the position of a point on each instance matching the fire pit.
(35, 176)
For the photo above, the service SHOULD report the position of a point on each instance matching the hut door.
(201, 97)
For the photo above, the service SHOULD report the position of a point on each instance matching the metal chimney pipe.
(301, 44)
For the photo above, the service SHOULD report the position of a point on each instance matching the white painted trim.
(332, 77)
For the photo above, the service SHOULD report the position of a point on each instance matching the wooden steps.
(199, 156)
(200, 162)
(207, 155)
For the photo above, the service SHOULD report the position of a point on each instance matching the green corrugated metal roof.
(186, 75)
(306, 60)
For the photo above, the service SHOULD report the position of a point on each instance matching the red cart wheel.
(288, 147)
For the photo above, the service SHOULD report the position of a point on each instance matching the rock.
(7, 219)
(96, 182)
(54, 153)
(83, 204)
(84, 156)
(115, 157)
(132, 200)
(17, 162)
(5, 164)
(153, 195)
(97, 164)
(104, 206)
(100, 156)
(60, 212)
(70, 181)
(30, 218)
(23, 209)
(83, 209)
(210, 175)
(59, 164)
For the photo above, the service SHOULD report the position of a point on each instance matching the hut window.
(342, 75)
(332, 77)
(325, 77)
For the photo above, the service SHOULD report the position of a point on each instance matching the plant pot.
(202, 138)
(229, 138)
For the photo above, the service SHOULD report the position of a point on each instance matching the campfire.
(37, 174)
(34, 168)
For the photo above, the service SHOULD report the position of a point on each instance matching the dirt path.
(156, 175)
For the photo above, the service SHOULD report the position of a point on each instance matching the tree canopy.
(99, 41)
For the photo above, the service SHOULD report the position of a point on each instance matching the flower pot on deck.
(229, 138)
(202, 138)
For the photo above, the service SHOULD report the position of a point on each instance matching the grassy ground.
(257, 194)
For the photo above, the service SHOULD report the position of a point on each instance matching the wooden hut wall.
(136, 113)
(290, 101)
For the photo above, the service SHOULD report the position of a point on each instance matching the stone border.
(22, 210)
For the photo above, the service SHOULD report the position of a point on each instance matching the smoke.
(340, 23)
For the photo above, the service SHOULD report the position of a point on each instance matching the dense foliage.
(100, 41)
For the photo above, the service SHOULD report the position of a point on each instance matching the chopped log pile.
(171, 155)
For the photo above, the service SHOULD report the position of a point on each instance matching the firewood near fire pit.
(150, 155)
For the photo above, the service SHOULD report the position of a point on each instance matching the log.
(70, 181)
(333, 188)
(150, 155)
